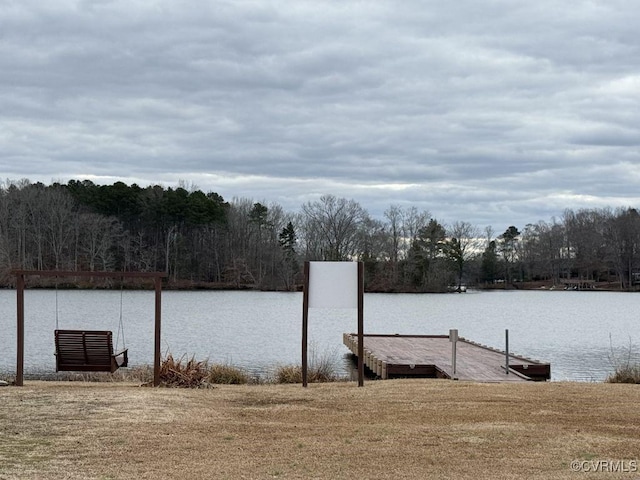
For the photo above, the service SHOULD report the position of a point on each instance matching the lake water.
(574, 331)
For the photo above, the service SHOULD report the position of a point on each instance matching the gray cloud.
(491, 112)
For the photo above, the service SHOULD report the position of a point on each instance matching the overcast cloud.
(492, 112)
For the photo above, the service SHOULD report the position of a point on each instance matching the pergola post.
(158, 317)
(20, 333)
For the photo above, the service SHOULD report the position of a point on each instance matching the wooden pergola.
(20, 285)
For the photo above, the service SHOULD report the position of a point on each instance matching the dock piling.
(453, 338)
(506, 350)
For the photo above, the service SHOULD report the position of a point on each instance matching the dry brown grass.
(395, 429)
(191, 373)
(293, 374)
(227, 374)
(137, 374)
(183, 372)
(321, 368)
(625, 374)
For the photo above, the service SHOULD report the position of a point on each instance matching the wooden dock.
(389, 356)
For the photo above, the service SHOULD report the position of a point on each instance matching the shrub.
(625, 369)
(320, 369)
(227, 374)
(191, 373)
(625, 374)
(288, 374)
(178, 373)
(315, 374)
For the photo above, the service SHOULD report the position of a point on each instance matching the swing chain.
(120, 323)
(57, 322)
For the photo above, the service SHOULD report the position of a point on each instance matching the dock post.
(506, 350)
(453, 338)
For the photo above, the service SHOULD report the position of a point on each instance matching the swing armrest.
(125, 357)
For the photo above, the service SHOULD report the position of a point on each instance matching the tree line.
(199, 239)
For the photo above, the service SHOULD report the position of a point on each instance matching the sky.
(495, 112)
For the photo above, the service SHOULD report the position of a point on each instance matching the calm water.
(260, 330)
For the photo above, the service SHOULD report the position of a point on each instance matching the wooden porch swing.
(89, 350)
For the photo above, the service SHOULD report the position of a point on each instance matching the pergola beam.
(84, 273)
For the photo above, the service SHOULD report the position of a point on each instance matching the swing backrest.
(86, 351)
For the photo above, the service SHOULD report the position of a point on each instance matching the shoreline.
(186, 285)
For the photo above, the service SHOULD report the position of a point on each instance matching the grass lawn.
(393, 429)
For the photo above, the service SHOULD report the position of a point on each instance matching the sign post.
(333, 285)
(305, 324)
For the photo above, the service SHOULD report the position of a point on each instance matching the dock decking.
(431, 356)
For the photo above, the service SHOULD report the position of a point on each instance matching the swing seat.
(87, 351)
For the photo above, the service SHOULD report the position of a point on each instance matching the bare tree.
(6, 249)
(623, 244)
(586, 239)
(394, 226)
(60, 215)
(413, 221)
(99, 235)
(331, 228)
(239, 233)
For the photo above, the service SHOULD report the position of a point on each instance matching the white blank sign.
(333, 285)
